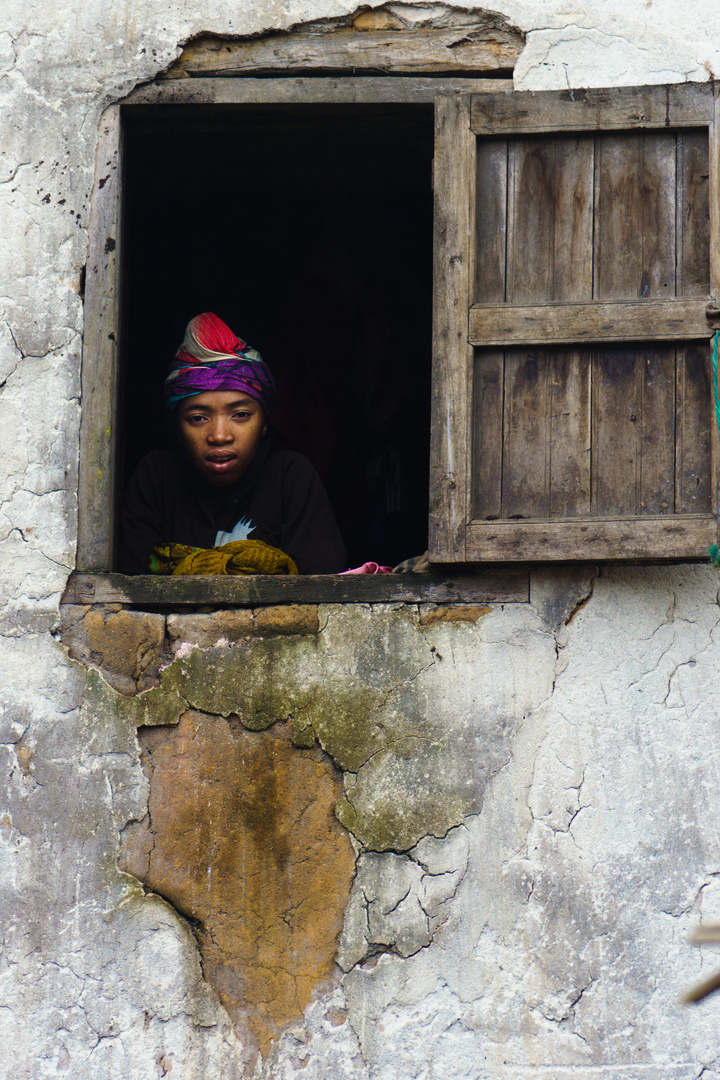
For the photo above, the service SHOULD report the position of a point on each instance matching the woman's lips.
(220, 462)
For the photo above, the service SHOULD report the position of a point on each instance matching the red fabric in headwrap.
(212, 357)
(207, 334)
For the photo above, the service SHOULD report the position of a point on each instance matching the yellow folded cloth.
(237, 557)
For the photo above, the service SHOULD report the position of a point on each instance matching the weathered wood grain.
(570, 442)
(460, 49)
(673, 537)
(618, 217)
(531, 220)
(296, 90)
(550, 219)
(693, 214)
(450, 443)
(656, 430)
(502, 585)
(714, 194)
(635, 226)
(673, 105)
(695, 477)
(526, 436)
(98, 426)
(572, 240)
(615, 416)
(487, 457)
(658, 205)
(649, 320)
(491, 220)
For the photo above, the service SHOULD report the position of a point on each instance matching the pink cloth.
(369, 568)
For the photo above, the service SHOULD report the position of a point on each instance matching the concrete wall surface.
(379, 843)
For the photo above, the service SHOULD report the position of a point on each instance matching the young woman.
(227, 479)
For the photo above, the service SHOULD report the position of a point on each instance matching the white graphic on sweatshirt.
(240, 532)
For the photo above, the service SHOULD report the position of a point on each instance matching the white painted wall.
(564, 946)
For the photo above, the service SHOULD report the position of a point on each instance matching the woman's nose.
(219, 431)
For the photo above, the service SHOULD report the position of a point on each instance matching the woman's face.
(221, 430)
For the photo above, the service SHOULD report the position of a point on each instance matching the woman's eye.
(242, 415)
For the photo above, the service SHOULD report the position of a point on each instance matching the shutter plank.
(658, 199)
(491, 220)
(526, 442)
(570, 373)
(656, 369)
(615, 451)
(550, 185)
(618, 217)
(695, 479)
(646, 320)
(693, 218)
(488, 393)
(573, 219)
(531, 224)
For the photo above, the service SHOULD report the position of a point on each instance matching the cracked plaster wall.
(528, 865)
(542, 933)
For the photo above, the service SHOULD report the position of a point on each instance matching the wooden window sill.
(495, 585)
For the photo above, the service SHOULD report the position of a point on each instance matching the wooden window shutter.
(576, 272)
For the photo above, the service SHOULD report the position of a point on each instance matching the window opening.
(308, 230)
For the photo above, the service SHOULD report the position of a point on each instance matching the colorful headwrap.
(211, 357)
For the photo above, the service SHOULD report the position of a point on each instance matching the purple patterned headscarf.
(211, 357)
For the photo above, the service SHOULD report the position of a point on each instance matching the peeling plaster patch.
(241, 839)
(564, 939)
(127, 646)
(390, 737)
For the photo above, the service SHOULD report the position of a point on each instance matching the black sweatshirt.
(280, 496)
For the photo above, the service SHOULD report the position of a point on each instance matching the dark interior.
(309, 231)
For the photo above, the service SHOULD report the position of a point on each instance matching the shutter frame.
(462, 125)
(454, 191)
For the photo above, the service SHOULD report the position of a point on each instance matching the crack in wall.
(398, 903)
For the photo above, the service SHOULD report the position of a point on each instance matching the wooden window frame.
(93, 581)
(459, 117)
